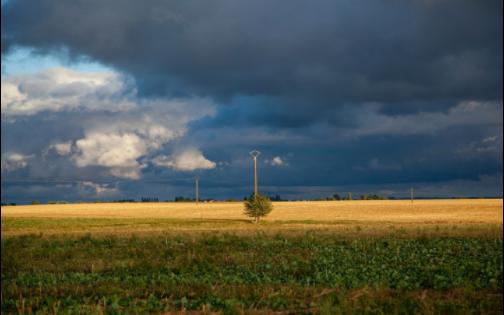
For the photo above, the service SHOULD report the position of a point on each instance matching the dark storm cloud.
(322, 53)
(376, 95)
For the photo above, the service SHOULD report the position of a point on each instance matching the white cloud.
(488, 145)
(187, 160)
(109, 150)
(64, 90)
(120, 128)
(10, 94)
(489, 139)
(14, 161)
(98, 190)
(277, 161)
(119, 142)
(61, 89)
(120, 150)
(63, 148)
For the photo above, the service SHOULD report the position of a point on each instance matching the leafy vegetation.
(372, 197)
(310, 272)
(258, 206)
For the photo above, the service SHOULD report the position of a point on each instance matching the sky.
(110, 100)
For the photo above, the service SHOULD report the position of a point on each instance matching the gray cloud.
(117, 131)
(90, 189)
(14, 161)
(324, 52)
(61, 89)
(367, 94)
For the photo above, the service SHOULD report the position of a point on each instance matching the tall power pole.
(197, 188)
(254, 155)
(412, 194)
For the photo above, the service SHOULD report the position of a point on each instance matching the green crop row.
(309, 272)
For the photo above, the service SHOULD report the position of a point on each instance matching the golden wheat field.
(440, 211)
(370, 216)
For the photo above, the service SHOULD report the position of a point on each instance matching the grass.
(126, 227)
(352, 264)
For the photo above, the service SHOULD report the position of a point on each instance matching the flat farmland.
(328, 257)
(228, 216)
(463, 210)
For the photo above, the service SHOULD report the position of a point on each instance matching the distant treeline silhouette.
(276, 198)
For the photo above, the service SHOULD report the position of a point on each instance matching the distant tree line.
(336, 196)
(348, 196)
(271, 198)
(373, 197)
(276, 198)
(183, 199)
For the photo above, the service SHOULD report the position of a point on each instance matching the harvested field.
(442, 211)
(455, 217)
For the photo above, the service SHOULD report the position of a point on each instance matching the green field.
(302, 272)
(84, 265)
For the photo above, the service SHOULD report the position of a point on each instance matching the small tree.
(258, 206)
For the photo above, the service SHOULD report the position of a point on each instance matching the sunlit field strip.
(456, 211)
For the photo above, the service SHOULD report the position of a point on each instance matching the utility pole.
(197, 188)
(412, 194)
(254, 155)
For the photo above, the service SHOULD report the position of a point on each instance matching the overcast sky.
(122, 99)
